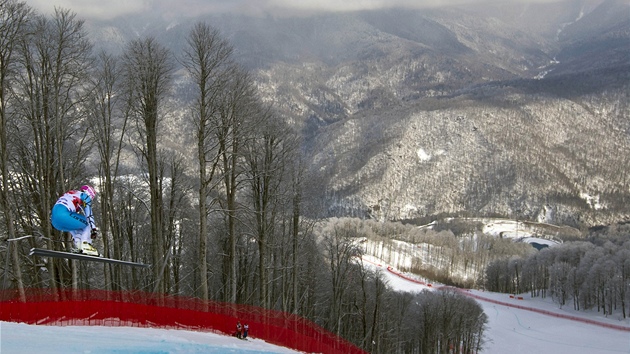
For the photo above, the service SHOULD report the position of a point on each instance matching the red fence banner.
(140, 309)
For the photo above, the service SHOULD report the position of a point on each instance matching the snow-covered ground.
(512, 330)
(515, 331)
(519, 231)
(16, 338)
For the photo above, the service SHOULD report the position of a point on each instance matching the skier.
(73, 213)
(245, 330)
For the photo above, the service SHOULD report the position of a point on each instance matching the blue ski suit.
(73, 213)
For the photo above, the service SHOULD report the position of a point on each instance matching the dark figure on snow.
(239, 329)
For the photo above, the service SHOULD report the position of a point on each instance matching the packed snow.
(18, 338)
(519, 331)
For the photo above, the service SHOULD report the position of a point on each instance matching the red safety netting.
(141, 309)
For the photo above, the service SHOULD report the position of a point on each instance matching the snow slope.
(520, 331)
(22, 338)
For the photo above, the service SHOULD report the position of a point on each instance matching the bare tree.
(148, 71)
(296, 203)
(13, 21)
(339, 249)
(623, 264)
(231, 128)
(374, 292)
(53, 87)
(207, 58)
(268, 154)
(109, 125)
(560, 282)
(176, 193)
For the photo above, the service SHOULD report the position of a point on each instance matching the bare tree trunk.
(52, 86)
(269, 152)
(207, 58)
(231, 132)
(296, 186)
(229, 167)
(14, 17)
(103, 124)
(148, 69)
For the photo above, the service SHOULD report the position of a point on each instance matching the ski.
(83, 257)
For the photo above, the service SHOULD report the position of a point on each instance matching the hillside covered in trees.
(230, 228)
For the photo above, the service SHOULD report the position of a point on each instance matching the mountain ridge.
(454, 110)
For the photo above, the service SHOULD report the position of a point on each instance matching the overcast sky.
(110, 8)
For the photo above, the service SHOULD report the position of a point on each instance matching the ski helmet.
(89, 190)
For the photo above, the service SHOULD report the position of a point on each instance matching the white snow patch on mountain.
(423, 155)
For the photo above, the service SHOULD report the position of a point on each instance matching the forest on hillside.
(229, 228)
(585, 275)
(588, 273)
(72, 115)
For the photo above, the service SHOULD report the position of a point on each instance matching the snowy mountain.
(507, 110)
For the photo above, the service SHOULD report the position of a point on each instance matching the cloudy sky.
(110, 8)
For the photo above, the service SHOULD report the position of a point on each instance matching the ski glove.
(94, 233)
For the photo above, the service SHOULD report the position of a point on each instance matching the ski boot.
(76, 247)
(87, 248)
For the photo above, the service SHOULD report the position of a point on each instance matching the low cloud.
(112, 8)
(90, 8)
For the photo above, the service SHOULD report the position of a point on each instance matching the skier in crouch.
(73, 213)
